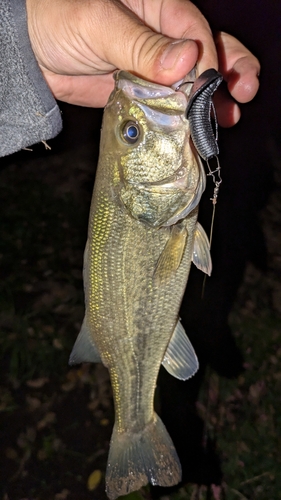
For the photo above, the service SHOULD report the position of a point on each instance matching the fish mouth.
(175, 181)
(150, 93)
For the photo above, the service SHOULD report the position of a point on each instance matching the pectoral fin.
(180, 359)
(84, 349)
(201, 256)
(171, 256)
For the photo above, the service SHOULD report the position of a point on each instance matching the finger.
(243, 82)
(239, 67)
(92, 91)
(227, 110)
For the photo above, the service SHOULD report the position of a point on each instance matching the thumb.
(125, 42)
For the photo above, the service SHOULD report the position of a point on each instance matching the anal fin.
(84, 349)
(180, 359)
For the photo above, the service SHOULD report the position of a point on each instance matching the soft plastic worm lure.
(199, 113)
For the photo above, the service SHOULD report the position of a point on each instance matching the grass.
(244, 415)
(41, 257)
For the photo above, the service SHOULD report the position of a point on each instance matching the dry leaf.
(94, 479)
(57, 344)
(11, 453)
(256, 391)
(49, 418)
(37, 383)
(104, 422)
(216, 490)
(62, 495)
(68, 386)
(33, 403)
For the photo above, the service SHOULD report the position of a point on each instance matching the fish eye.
(131, 132)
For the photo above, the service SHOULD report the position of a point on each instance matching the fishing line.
(217, 180)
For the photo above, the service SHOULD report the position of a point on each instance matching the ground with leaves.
(55, 422)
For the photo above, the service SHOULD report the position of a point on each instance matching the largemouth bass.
(143, 235)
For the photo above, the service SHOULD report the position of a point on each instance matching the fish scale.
(136, 302)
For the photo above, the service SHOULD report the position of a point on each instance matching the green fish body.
(143, 235)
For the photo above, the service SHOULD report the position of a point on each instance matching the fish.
(143, 235)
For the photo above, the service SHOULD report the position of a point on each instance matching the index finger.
(240, 68)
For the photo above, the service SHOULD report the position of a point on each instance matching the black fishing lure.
(199, 113)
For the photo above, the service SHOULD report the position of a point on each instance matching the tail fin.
(137, 459)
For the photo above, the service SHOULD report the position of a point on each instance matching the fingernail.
(171, 54)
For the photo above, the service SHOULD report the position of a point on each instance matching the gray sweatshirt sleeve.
(28, 110)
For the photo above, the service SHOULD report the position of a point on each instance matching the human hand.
(78, 45)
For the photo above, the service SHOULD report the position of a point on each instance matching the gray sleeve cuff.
(28, 110)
